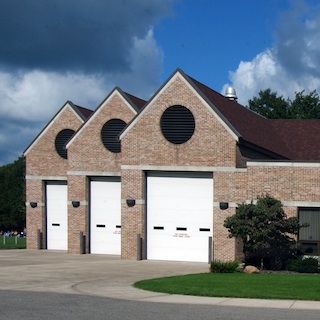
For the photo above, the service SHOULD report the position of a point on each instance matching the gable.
(68, 110)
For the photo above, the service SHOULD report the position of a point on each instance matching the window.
(309, 237)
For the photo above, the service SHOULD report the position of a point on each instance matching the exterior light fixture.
(75, 204)
(224, 205)
(130, 202)
(33, 204)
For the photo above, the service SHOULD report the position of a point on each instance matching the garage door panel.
(57, 215)
(179, 217)
(105, 216)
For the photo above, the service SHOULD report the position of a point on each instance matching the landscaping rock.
(251, 269)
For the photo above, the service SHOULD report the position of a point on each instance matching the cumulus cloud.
(56, 50)
(291, 65)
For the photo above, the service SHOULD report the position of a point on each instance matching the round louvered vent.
(110, 134)
(61, 141)
(177, 124)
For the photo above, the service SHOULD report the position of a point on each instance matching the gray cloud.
(77, 35)
(57, 50)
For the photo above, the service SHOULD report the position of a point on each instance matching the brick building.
(156, 179)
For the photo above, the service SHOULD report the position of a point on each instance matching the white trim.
(39, 204)
(178, 74)
(138, 201)
(94, 173)
(65, 107)
(231, 204)
(59, 178)
(98, 110)
(182, 168)
(293, 203)
(284, 164)
(82, 203)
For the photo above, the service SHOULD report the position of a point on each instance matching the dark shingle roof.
(86, 113)
(139, 103)
(289, 139)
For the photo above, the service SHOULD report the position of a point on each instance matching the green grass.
(10, 243)
(239, 285)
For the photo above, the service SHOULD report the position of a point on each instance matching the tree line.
(12, 196)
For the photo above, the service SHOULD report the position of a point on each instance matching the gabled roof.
(82, 113)
(284, 139)
(134, 103)
(289, 139)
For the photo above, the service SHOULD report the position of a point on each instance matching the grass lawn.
(239, 285)
(10, 243)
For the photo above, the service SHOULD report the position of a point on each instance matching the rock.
(251, 269)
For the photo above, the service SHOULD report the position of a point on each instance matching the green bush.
(224, 267)
(303, 265)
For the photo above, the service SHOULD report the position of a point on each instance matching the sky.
(52, 51)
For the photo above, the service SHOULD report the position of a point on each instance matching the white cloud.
(292, 64)
(29, 99)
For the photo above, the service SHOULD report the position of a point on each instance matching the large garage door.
(57, 215)
(179, 217)
(105, 216)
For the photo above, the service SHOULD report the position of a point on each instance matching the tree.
(12, 196)
(269, 105)
(266, 232)
(272, 106)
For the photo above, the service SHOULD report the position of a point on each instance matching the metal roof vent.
(231, 93)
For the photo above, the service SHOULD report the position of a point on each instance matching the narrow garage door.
(105, 216)
(57, 215)
(179, 217)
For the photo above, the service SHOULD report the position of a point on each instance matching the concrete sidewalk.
(108, 276)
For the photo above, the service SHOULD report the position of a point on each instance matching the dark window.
(309, 237)
(177, 124)
(61, 141)
(110, 134)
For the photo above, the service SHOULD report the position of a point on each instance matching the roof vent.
(231, 93)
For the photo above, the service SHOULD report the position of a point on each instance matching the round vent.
(110, 134)
(177, 124)
(61, 141)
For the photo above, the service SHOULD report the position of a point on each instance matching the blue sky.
(52, 51)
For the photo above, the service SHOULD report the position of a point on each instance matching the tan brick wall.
(77, 217)
(87, 152)
(132, 218)
(42, 160)
(284, 183)
(211, 144)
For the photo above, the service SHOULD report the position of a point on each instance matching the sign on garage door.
(179, 216)
(57, 215)
(105, 216)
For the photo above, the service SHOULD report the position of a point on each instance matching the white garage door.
(105, 216)
(57, 215)
(179, 217)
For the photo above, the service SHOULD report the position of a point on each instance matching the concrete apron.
(109, 276)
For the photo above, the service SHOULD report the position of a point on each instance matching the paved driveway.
(109, 276)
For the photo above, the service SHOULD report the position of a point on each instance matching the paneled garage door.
(179, 216)
(105, 216)
(57, 215)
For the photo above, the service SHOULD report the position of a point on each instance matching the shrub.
(224, 267)
(303, 265)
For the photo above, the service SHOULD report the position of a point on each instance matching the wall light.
(33, 204)
(130, 202)
(75, 204)
(224, 205)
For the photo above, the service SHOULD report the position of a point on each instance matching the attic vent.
(61, 141)
(177, 124)
(110, 134)
(231, 93)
